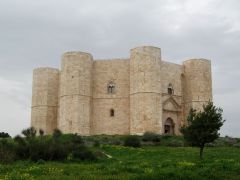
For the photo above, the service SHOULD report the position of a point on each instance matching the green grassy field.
(156, 162)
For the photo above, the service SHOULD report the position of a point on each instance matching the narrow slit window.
(112, 112)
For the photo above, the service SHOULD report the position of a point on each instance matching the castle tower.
(45, 99)
(145, 90)
(75, 93)
(197, 82)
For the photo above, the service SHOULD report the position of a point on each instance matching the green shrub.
(7, 156)
(151, 137)
(4, 135)
(237, 145)
(96, 143)
(225, 141)
(83, 153)
(229, 141)
(21, 149)
(48, 148)
(41, 161)
(167, 137)
(41, 132)
(57, 151)
(210, 145)
(175, 143)
(115, 141)
(57, 134)
(7, 153)
(29, 132)
(76, 139)
(132, 141)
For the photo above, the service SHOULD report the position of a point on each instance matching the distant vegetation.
(73, 147)
(4, 135)
(57, 147)
(151, 156)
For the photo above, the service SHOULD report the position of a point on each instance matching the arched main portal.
(169, 126)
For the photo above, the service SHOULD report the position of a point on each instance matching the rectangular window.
(112, 112)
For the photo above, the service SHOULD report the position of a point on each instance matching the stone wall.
(171, 73)
(104, 72)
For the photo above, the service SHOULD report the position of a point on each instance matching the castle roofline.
(113, 59)
(76, 52)
(45, 68)
(168, 62)
(197, 59)
(138, 47)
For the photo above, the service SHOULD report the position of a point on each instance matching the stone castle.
(119, 96)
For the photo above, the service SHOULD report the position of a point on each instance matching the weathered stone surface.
(45, 99)
(197, 79)
(117, 72)
(119, 96)
(145, 90)
(75, 109)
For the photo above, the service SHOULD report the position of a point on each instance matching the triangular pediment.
(171, 105)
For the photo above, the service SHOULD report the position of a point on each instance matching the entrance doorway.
(169, 127)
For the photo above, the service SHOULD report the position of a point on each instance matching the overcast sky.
(37, 33)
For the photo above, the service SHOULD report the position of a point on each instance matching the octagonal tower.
(45, 99)
(197, 82)
(145, 90)
(76, 93)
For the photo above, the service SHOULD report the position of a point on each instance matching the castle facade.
(138, 94)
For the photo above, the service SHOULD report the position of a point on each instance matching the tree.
(57, 133)
(41, 132)
(203, 126)
(29, 132)
(4, 135)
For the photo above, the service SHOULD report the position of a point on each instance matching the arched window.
(169, 126)
(111, 87)
(111, 112)
(170, 89)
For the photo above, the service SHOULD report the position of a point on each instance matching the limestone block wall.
(75, 93)
(171, 74)
(105, 71)
(197, 82)
(145, 90)
(45, 99)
